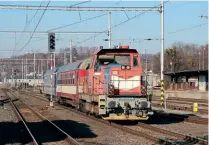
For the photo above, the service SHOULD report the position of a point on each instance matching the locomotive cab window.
(135, 61)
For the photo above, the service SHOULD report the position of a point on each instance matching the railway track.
(186, 99)
(183, 108)
(186, 139)
(191, 119)
(40, 129)
(200, 104)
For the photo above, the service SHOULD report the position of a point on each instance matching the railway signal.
(51, 44)
(51, 49)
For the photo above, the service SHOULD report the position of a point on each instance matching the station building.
(187, 80)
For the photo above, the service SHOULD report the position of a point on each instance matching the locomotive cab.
(116, 79)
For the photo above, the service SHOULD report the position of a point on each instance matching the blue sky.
(178, 15)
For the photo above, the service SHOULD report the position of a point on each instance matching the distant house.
(152, 79)
(188, 79)
(29, 79)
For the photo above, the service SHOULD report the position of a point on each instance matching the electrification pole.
(146, 69)
(109, 29)
(34, 70)
(71, 50)
(26, 71)
(203, 67)
(65, 62)
(163, 100)
(12, 75)
(54, 60)
(22, 74)
(199, 59)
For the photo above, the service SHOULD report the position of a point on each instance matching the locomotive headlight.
(123, 67)
(128, 67)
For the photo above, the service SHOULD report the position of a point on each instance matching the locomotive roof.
(103, 51)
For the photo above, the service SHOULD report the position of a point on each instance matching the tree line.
(180, 56)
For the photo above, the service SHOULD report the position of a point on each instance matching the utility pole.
(163, 100)
(65, 59)
(47, 63)
(38, 75)
(12, 75)
(109, 29)
(54, 59)
(22, 73)
(199, 58)
(146, 70)
(26, 71)
(71, 50)
(34, 70)
(203, 67)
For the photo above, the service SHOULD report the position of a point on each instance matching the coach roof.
(70, 66)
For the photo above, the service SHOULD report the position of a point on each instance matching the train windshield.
(123, 59)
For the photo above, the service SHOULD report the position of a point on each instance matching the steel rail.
(171, 133)
(182, 108)
(73, 141)
(192, 119)
(120, 127)
(70, 139)
(21, 118)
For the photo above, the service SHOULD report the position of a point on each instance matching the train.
(108, 84)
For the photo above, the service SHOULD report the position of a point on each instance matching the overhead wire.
(81, 21)
(42, 17)
(36, 27)
(79, 3)
(77, 22)
(199, 25)
(28, 22)
(130, 18)
(35, 12)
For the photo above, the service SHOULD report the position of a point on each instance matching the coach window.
(135, 61)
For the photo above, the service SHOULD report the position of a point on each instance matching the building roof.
(187, 72)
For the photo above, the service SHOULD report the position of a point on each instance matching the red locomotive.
(109, 84)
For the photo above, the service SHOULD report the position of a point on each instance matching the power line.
(188, 28)
(119, 24)
(36, 26)
(28, 22)
(77, 22)
(35, 12)
(42, 17)
(46, 32)
(81, 21)
(80, 3)
(64, 8)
